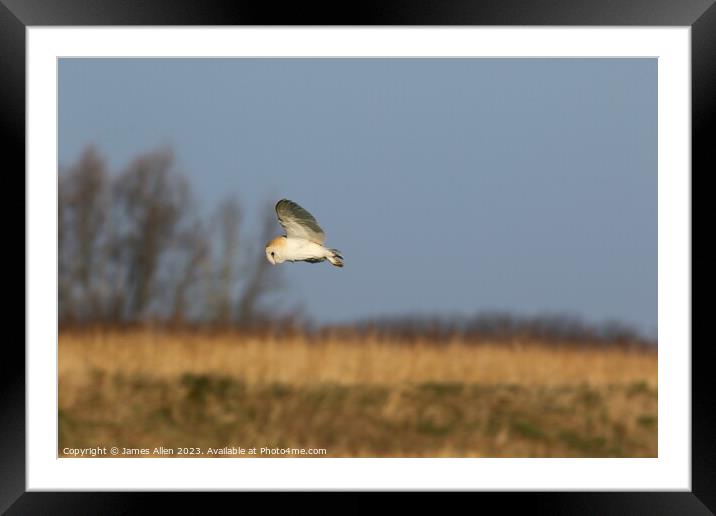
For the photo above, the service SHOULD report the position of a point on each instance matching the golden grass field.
(354, 396)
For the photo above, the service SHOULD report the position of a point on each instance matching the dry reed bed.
(360, 360)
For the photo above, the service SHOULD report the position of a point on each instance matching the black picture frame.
(16, 15)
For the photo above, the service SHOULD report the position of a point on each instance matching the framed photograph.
(416, 249)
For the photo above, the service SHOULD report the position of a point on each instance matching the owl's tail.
(335, 258)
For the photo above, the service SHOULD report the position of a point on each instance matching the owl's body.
(304, 238)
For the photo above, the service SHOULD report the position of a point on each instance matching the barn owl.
(304, 238)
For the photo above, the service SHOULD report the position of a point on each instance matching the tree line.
(499, 327)
(133, 249)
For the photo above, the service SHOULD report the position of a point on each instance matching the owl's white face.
(273, 255)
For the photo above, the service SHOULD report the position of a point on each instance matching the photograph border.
(16, 15)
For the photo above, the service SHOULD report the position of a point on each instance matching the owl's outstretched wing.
(298, 223)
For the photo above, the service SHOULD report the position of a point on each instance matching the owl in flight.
(304, 238)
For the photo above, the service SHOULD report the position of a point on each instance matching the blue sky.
(452, 186)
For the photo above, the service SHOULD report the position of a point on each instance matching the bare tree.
(65, 301)
(228, 221)
(82, 214)
(193, 251)
(150, 202)
(260, 279)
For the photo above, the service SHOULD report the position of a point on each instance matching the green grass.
(422, 420)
